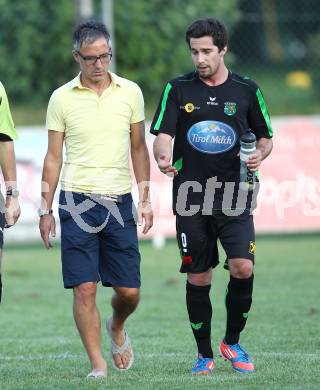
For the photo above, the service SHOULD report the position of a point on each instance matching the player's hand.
(145, 215)
(165, 166)
(47, 226)
(254, 161)
(12, 211)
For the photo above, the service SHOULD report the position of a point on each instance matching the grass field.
(40, 347)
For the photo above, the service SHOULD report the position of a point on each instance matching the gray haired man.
(100, 117)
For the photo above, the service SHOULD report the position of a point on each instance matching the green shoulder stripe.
(178, 164)
(264, 111)
(163, 106)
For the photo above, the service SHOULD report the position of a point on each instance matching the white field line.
(56, 339)
(271, 354)
(68, 355)
(49, 356)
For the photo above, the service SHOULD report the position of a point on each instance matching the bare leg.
(87, 318)
(240, 268)
(124, 302)
(201, 279)
(0, 275)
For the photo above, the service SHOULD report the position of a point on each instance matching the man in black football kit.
(206, 112)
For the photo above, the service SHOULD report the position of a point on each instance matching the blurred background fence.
(274, 42)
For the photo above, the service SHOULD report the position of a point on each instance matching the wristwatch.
(42, 212)
(12, 192)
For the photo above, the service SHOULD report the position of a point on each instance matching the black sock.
(200, 313)
(238, 303)
(0, 288)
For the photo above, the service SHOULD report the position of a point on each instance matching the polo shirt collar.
(115, 81)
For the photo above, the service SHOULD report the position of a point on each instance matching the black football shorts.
(197, 238)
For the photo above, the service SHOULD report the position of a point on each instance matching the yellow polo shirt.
(97, 134)
(6, 122)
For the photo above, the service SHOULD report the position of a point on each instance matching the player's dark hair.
(88, 32)
(208, 27)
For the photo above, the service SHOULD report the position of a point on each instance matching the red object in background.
(289, 197)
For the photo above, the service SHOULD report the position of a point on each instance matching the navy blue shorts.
(98, 240)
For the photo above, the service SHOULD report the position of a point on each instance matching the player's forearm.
(141, 168)
(50, 178)
(8, 164)
(265, 146)
(162, 147)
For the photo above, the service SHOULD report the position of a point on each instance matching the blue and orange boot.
(239, 359)
(203, 366)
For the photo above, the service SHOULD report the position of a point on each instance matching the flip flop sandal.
(96, 374)
(115, 349)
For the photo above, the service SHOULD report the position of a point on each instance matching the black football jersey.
(207, 123)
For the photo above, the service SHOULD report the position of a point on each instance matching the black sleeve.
(258, 116)
(5, 138)
(166, 116)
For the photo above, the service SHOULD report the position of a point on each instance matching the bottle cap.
(248, 137)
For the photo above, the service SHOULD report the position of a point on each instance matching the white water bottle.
(247, 148)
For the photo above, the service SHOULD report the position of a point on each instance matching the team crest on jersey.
(230, 108)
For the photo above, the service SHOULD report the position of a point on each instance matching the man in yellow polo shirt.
(99, 116)
(9, 209)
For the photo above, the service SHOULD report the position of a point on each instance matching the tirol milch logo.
(211, 137)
